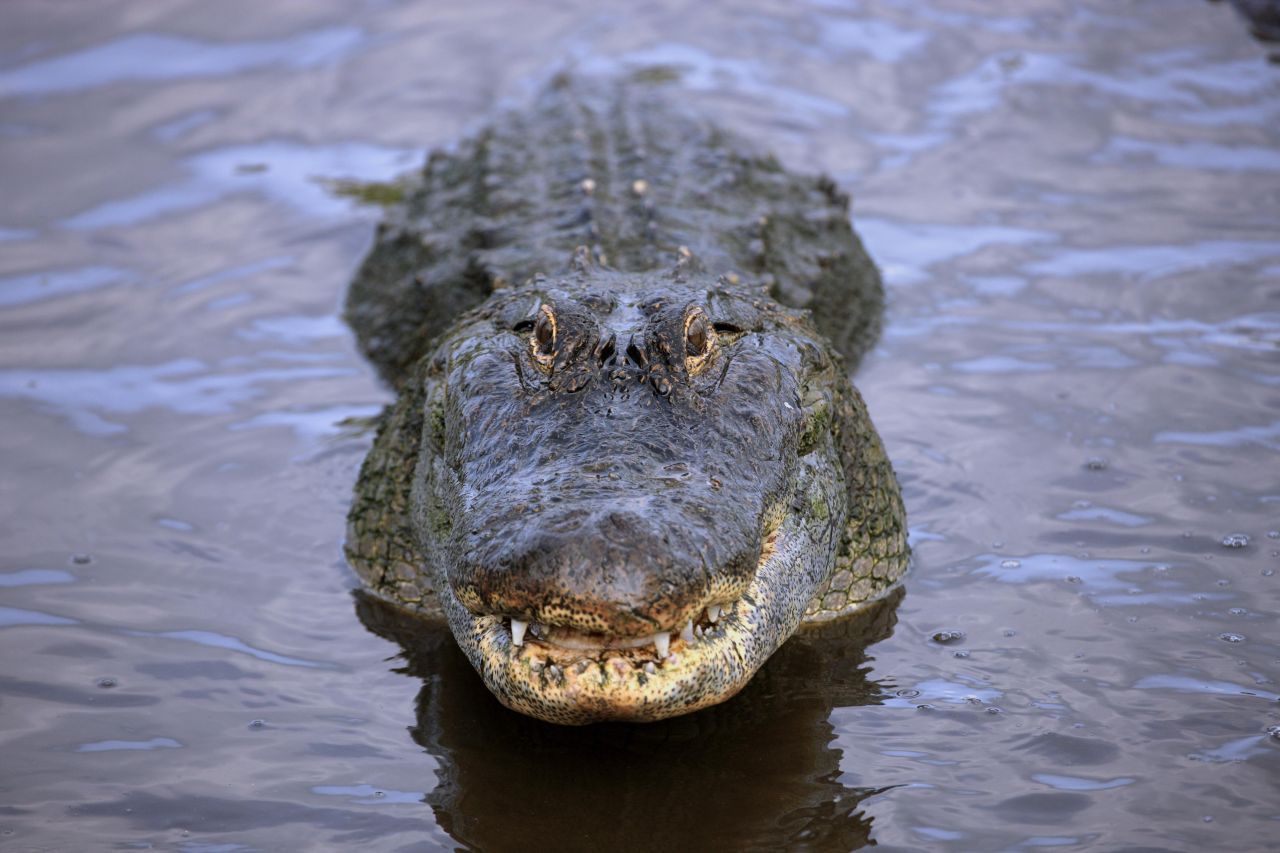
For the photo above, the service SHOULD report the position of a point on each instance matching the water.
(1077, 207)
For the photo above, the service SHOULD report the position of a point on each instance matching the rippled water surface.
(1077, 208)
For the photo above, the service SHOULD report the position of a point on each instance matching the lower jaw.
(613, 685)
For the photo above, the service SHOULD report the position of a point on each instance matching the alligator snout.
(614, 573)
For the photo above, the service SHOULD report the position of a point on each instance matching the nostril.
(636, 355)
(607, 352)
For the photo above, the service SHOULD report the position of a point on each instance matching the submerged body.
(626, 462)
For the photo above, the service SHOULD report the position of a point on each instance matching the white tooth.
(713, 612)
(686, 633)
(663, 643)
(517, 632)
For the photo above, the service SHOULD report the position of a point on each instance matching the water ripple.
(156, 56)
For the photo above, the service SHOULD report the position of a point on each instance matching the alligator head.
(631, 488)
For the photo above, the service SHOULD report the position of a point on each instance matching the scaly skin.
(612, 447)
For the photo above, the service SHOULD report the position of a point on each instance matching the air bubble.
(1010, 564)
(82, 559)
(1096, 463)
(960, 654)
(1230, 637)
(257, 724)
(106, 683)
(1235, 540)
(1074, 579)
(907, 693)
(1238, 611)
(1273, 731)
(945, 637)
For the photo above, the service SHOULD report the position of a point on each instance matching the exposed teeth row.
(661, 641)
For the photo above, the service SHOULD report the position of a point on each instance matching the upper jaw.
(609, 561)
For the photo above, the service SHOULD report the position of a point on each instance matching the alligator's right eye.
(542, 343)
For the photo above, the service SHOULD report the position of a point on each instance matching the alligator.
(626, 461)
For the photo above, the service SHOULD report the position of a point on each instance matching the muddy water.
(1077, 208)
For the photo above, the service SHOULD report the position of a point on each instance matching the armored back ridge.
(626, 461)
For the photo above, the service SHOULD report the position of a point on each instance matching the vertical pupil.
(697, 336)
(543, 333)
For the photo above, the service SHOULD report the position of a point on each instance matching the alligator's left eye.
(699, 340)
(542, 343)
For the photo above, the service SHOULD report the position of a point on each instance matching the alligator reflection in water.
(759, 770)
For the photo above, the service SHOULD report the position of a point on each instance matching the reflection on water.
(284, 171)
(172, 58)
(1076, 205)
(17, 290)
(758, 773)
(183, 386)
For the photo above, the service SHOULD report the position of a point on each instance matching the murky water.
(1077, 207)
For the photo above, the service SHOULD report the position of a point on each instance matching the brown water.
(1077, 207)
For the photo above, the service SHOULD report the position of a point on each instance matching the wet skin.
(626, 462)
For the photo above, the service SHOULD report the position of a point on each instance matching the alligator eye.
(696, 339)
(543, 340)
(699, 340)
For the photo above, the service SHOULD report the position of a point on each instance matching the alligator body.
(626, 462)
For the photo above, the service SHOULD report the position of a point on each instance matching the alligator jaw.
(575, 679)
